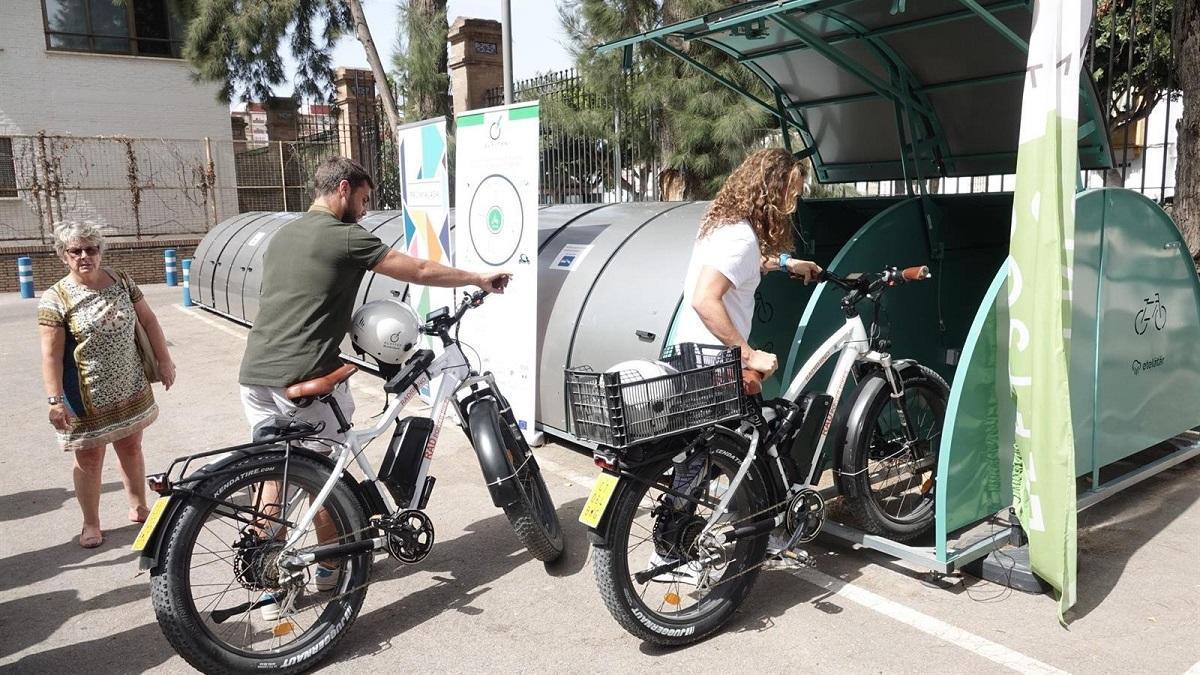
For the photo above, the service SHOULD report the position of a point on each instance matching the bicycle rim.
(900, 473)
(663, 529)
(231, 565)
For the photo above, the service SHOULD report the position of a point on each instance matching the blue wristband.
(783, 261)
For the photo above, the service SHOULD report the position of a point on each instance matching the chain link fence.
(132, 186)
(139, 188)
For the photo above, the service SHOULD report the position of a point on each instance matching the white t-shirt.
(733, 251)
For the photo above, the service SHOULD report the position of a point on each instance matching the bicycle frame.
(455, 370)
(851, 345)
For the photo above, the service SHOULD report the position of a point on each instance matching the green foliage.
(238, 42)
(702, 129)
(1131, 60)
(419, 64)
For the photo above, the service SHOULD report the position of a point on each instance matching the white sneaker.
(684, 574)
(270, 611)
(326, 578)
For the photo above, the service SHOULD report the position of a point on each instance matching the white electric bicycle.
(680, 522)
(260, 559)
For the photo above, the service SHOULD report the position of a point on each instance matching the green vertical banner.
(1039, 292)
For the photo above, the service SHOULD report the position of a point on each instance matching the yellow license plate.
(152, 519)
(602, 492)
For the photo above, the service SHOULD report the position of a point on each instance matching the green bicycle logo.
(495, 220)
(1153, 311)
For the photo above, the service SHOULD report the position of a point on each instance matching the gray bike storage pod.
(228, 262)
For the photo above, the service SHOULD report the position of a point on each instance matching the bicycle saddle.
(319, 386)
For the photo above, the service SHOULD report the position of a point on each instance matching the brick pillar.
(476, 63)
(355, 101)
(283, 118)
(238, 124)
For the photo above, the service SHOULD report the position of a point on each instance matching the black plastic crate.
(615, 410)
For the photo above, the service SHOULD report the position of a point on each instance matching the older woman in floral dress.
(96, 388)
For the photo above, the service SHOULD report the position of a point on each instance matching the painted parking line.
(937, 628)
(992, 651)
(222, 325)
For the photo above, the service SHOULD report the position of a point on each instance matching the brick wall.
(143, 260)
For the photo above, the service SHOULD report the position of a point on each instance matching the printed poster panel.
(496, 192)
(425, 195)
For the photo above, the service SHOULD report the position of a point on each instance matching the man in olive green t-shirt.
(312, 270)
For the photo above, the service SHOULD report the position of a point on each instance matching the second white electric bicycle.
(680, 520)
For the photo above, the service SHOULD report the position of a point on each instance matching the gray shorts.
(261, 403)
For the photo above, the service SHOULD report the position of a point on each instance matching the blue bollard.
(25, 275)
(169, 262)
(187, 282)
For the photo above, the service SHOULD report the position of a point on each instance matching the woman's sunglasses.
(90, 251)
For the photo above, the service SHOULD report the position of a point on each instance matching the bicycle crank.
(409, 535)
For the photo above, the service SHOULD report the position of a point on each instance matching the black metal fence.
(158, 187)
(1128, 53)
(583, 162)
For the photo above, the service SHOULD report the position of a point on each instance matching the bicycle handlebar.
(889, 276)
(441, 325)
(862, 286)
(917, 273)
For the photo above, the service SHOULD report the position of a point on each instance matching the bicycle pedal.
(798, 556)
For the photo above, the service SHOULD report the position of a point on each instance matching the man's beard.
(348, 218)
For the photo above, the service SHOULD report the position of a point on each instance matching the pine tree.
(702, 129)
(237, 43)
(419, 64)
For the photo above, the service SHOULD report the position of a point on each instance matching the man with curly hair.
(746, 232)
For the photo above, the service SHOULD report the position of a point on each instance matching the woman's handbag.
(145, 349)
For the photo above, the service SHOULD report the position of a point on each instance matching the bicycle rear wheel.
(220, 596)
(650, 530)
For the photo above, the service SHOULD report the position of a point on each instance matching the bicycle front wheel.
(532, 516)
(887, 470)
(220, 596)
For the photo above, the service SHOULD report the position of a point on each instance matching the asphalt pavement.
(479, 603)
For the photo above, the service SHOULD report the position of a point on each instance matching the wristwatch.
(783, 261)
(55, 400)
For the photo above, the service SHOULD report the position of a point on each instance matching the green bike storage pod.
(1134, 372)
(922, 91)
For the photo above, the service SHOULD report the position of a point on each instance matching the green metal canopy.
(886, 89)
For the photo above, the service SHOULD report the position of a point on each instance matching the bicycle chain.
(768, 559)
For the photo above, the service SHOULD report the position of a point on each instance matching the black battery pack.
(815, 407)
(402, 462)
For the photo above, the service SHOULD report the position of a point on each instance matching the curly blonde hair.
(763, 191)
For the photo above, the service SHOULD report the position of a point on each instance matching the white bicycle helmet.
(649, 404)
(641, 369)
(387, 330)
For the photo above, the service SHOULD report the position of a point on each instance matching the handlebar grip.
(917, 273)
(751, 381)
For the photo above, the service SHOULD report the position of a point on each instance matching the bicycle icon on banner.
(1154, 311)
